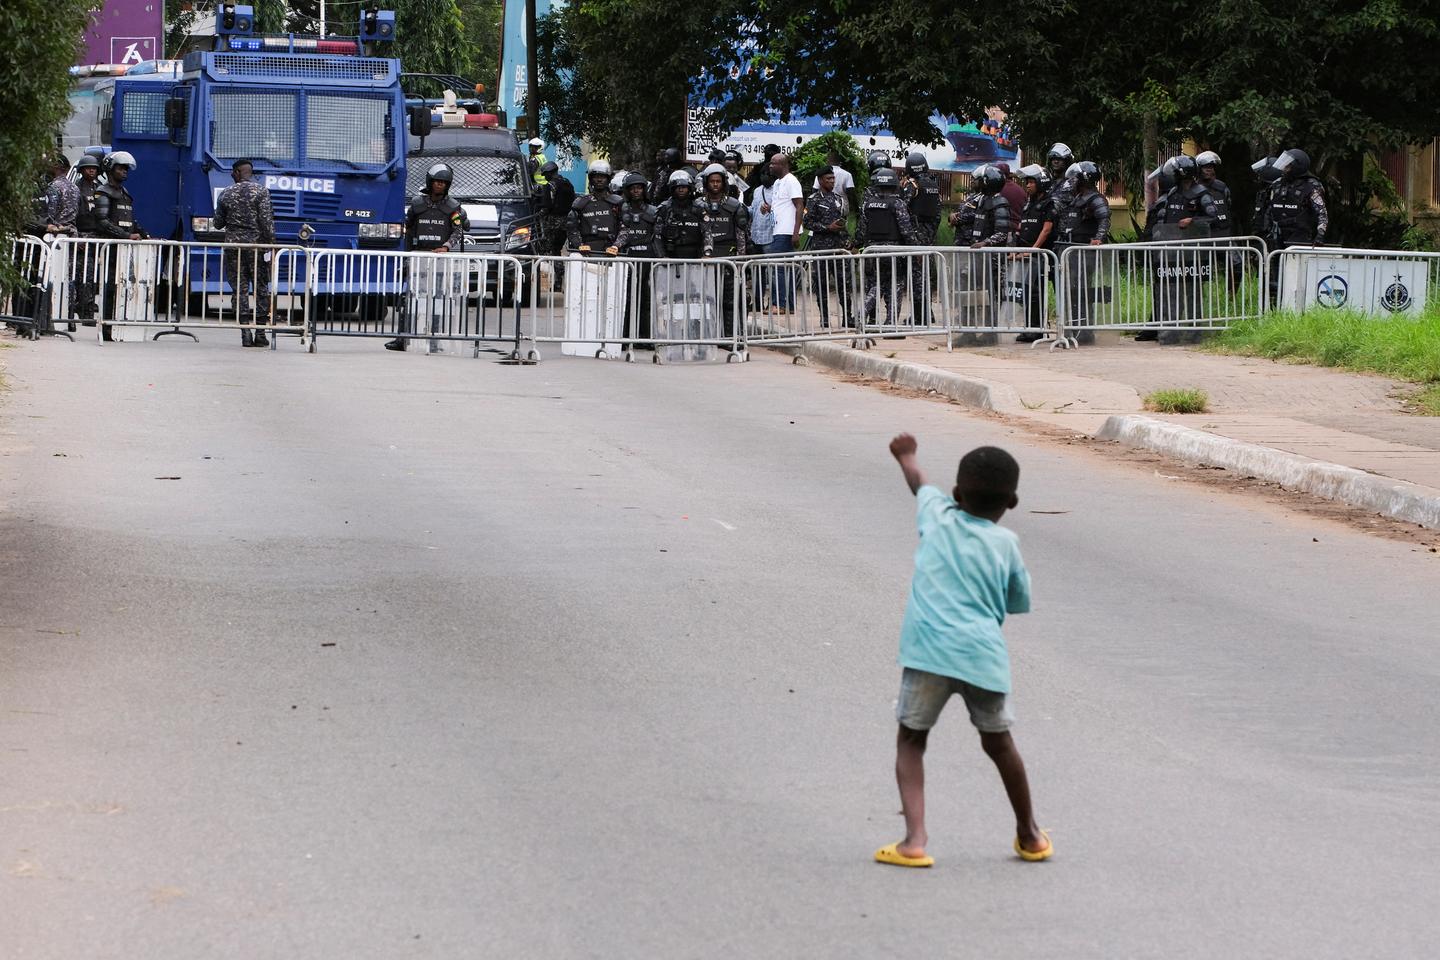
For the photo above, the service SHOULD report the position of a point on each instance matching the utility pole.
(532, 99)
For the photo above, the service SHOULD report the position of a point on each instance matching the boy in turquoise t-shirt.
(968, 576)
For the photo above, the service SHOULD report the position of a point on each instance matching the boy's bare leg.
(910, 775)
(1000, 747)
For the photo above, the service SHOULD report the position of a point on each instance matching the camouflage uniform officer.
(243, 212)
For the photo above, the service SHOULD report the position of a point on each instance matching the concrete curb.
(971, 391)
(1384, 495)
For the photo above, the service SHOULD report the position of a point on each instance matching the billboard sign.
(124, 31)
(967, 143)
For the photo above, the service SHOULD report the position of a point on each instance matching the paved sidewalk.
(1326, 416)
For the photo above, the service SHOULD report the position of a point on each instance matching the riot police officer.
(1267, 178)
(884, 221)
(727, 231)
(435, 223)
(1058, 160)
(1209, 164)
(638, 220)
(87, 265)
(680, 221)
(1297, 205)
(668, 163)
(680, 234)
(922, 194)
(113, 210)
(113, 207)
(1179, 275)
(1082, 219)
(1189, 202)
(1036, 230)
(594, 219)
(991, 226)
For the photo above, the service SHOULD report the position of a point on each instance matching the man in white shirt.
(788, 204)
(844, 182)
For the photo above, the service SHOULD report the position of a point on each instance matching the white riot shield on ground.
(595, 295)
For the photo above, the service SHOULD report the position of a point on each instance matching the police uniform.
(62, 204)
(923, 199)
(727, 234)
(243, 211)
(884, 221)
(638, 222)
(680, 229)
(114, 219)
(594, 221)
(1038, 211)
(1298, 214)
(1220, 193)
(431, 222)
(1084, 216)
(87, 267)
(831, 272)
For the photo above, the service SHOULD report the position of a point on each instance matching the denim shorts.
(923, 695)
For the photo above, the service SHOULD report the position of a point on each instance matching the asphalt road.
(434, 657)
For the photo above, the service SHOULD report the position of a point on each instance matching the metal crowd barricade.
(167, 285)
(23, 304)
(440, 302)
(1187, 285)
(998, 290)
(800, 297)
(1378, 282)
(686, 310)
(899, 292)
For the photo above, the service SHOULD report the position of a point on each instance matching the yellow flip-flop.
(1035, 857)
(891, 854)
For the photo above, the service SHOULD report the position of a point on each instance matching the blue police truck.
(323, 119)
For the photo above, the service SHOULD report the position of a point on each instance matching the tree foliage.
(807, 159)
(616, 73)
(430, 37)
(44, 36)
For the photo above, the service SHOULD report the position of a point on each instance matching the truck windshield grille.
(257, 126)
(348, 130)
(476, 178)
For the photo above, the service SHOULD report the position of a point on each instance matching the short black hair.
(825, 171)
(987, 478)
(242, 162)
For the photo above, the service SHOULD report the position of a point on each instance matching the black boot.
(247, 338)
(396, 344)
(260, 339)
(1147, 335)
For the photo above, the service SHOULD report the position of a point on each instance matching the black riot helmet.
(681, 180)
(1059, 156)
(549, 168)
(916, 163)
(1086, 173)
(632, 181)
(440, 172)
(1265, 170)
(1293, 164)
(877, 160)
(885, 179)
(1185, 168)
(1163, 176)
(734, 156)
(1033, 172)
(87, 162)
(672, 156)
(717, 156)
(987, 179)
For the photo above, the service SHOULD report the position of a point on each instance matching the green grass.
(1407, 348)
(1188, 400)
(1426, 401)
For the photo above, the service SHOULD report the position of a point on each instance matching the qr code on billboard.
(701, 135)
